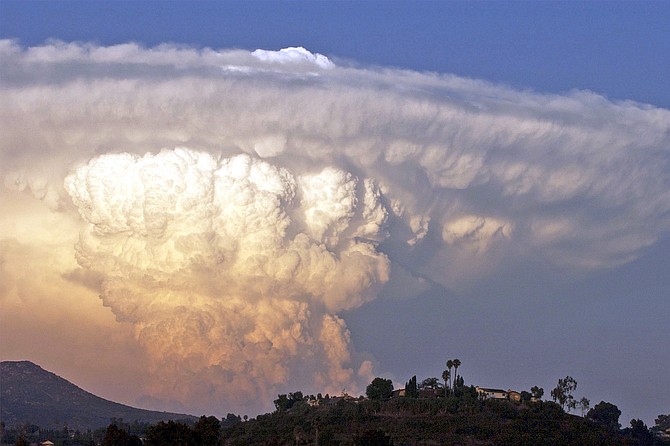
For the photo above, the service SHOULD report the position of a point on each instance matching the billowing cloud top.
(232, 203)
(293, 55)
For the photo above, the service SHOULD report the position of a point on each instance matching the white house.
(491, 394)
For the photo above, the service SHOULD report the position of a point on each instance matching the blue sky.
(526, 321)
(611, 47)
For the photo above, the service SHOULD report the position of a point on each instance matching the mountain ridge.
(31, 394)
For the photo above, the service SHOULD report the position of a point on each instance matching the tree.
(446, 376)
(450, 365)
(605, 414)
(662, 423)
(430, 383)
(230, 420)
(207, 431)
(114, 436)
(284, 402)
(641, 433)
(379, 388)
(296, 396)
(584, 404)
(457, 364)
(411, 389)
(562, 393)
(173, 433)
(537, 392)
(459, 385)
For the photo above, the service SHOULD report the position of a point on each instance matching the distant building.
(513, 395)
(398, 392)
(487, 393)
(47, 443)
(664, 434)
(336, 399)
(491, 394)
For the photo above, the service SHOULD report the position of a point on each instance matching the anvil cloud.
(228, 206)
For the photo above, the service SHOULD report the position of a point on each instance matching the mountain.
(30, 394)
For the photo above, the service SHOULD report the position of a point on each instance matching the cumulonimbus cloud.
(234, 203)
(232, 268)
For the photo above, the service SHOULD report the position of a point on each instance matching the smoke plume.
(229, 206)
(231, 270)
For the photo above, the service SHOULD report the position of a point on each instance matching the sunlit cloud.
(230, 205)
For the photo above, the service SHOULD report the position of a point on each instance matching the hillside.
(30, 394)
(423, 422)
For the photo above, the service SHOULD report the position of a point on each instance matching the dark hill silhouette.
(30, 394)
(457, 421)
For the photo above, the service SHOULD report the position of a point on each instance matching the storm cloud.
(228, 205)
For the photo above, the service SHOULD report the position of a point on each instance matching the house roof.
(488, 389)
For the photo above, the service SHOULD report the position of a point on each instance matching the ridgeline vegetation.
(431, 412)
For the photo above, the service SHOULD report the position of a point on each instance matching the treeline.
(205, 431)
(428, 413)
(31, 433)
(454, 420)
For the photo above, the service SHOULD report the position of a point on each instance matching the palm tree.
(446, 376)
(430, 383)
(457, 364)
(450, 364)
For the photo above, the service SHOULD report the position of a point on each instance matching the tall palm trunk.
(450, 364)
(457, 363)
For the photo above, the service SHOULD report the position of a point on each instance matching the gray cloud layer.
(233, 203)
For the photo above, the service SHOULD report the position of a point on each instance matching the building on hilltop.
(486, 393)
(399, 393)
